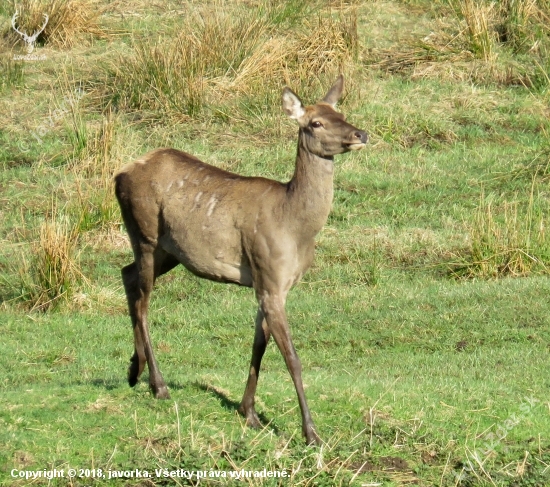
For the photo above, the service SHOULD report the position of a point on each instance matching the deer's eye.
(316, 124)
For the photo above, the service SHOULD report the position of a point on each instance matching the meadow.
(423, 324)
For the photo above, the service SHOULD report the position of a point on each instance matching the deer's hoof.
(312, 438)
(160, 392)
(133, 374)
(252, 419)
(134, 370)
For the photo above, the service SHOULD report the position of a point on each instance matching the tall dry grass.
(523, 22)
(508, 239)
(523, 25)
(219, 59)
(92, 201)
(479, 19)
(178, 75)
(507, 43)
(329, 44)
(50, 272)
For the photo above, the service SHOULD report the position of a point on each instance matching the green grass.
(421, 375)
(423, 324)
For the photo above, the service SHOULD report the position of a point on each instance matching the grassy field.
(423, 325)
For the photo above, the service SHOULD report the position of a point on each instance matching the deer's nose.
(361, 136)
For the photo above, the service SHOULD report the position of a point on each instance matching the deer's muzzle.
(358, 140)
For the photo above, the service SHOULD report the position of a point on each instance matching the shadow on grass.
(108, 384)
(225, 401)
(231, 405)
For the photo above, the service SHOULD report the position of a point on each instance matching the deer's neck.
(310, 191)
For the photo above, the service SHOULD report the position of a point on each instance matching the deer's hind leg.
(139, 278)
(130, 280)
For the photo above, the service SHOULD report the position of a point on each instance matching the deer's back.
(203, 215)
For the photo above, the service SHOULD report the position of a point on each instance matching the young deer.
(228, 228)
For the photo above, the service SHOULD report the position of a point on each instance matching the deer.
(250, 231)
(29, 40)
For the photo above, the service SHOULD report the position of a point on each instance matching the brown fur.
(249, 231)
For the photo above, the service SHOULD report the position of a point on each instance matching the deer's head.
(324, 131)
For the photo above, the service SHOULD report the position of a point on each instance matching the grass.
(513, 245)
(234, 52)
(422, 325)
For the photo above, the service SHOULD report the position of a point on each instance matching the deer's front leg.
(272, 306)
(261, 338)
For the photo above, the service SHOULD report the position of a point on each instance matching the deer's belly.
(215, 259)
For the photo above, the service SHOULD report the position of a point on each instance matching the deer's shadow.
(231, 405)
(225, 402)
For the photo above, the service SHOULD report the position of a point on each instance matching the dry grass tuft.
(177, 76)
(92, 204)
(520, 20)
(268, 60)
(328, 45)
(479, 18)
(507, 241)
(53, 271)
(55, 266)
(96, 159)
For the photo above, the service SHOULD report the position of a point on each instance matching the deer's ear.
(292, 105)
(335, 91)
